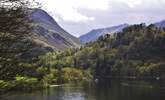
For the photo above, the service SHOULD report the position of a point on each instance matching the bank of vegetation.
(136, 52)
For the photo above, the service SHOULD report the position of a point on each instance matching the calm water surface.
(109, 90)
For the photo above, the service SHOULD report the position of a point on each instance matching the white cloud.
(67, 10)
(132, 3)
(92, 4)
(80, 16)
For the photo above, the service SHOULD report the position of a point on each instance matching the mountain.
(160, 24)
(47, 32)
(94, 34)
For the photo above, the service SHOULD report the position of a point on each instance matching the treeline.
(137, 52)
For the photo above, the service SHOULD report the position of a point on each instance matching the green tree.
(14, 27)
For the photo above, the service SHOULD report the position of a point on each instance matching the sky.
(80, 16)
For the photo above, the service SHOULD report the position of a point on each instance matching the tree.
(15, 26)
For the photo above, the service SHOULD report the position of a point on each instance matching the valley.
(39, 56)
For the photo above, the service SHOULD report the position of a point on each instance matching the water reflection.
(103, 90)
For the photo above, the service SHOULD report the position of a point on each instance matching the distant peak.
(160, 24)
(95, 33)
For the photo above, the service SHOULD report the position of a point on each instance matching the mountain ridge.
(160, 24)
(49, 33)
(96, 33)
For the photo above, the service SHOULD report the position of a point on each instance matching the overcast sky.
(80, 16)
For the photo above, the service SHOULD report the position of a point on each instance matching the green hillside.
(137, 52)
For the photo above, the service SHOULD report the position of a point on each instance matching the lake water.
(105, 90)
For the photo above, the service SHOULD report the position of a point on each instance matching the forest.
(138, 52)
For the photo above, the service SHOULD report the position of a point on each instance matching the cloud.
(132, 3)
(67, 10)
(80, 16)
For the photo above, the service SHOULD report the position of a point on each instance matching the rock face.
(48, 33)
(94, 34)
(160, 24)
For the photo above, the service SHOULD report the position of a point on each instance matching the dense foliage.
(137, 52)
(16, 46)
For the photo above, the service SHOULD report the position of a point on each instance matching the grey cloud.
(118, 13)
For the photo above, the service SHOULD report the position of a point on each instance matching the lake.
(103, 90)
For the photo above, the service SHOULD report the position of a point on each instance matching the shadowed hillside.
(48, 32)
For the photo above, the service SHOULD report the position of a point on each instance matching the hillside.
(49, 33)
(20, 46)
(137, 52)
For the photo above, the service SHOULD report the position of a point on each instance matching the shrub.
(72, 75)
(66, 75)
(51, 77)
